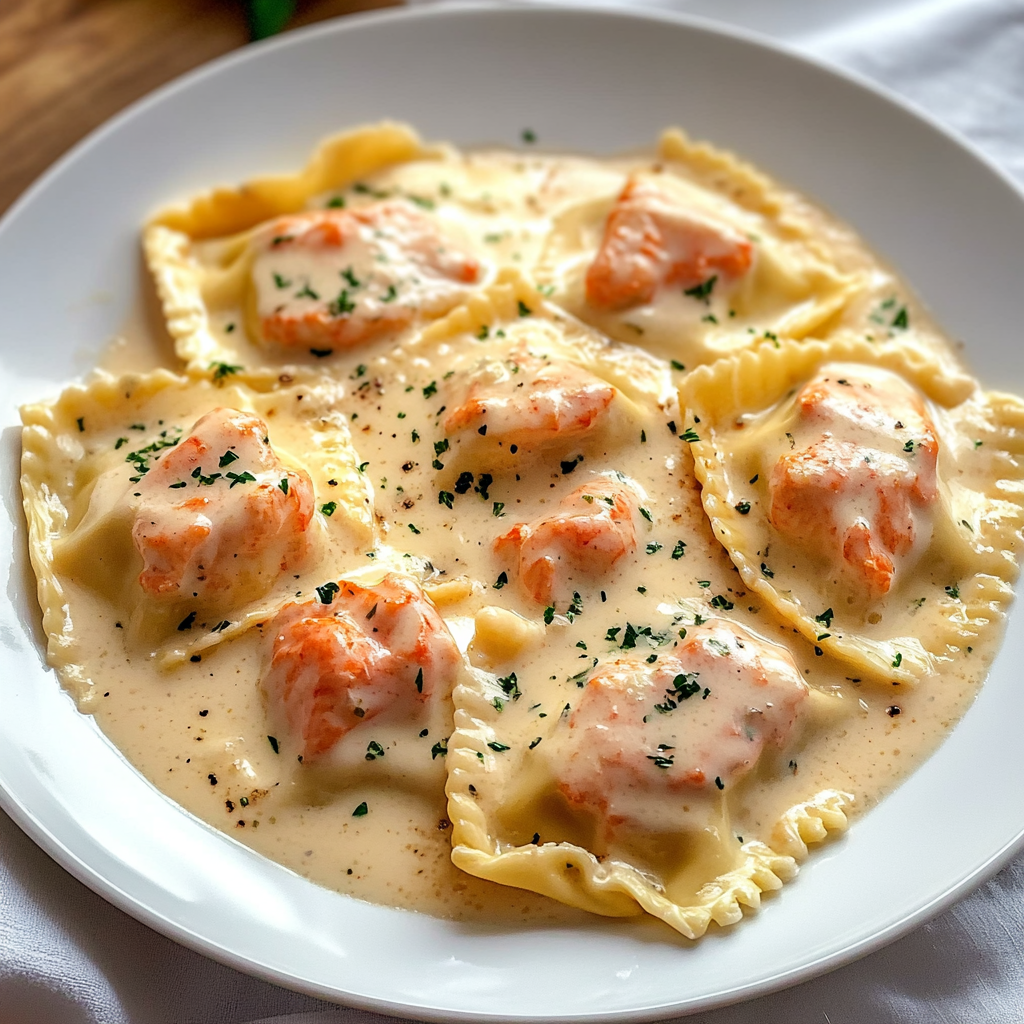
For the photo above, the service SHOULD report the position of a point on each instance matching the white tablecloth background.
(67, 957)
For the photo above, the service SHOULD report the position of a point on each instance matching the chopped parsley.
(328, 508)
(484, 484)
(342, 305)
(703, 290)
(662, 760)
(680, 549)
(325, 593)
(361, 811)
(361, 188)
(690, 435)
(206, 481)
(510, 686)
(683, 687)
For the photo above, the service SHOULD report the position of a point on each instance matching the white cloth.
(67, 956)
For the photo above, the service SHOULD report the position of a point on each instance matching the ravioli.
(294, 268)
(163, 502)
(621, 804)
(527, 534)
(693, 256)
(873, 500)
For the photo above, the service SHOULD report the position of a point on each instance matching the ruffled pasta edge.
(47, 424)
(335, 163)
(574, 876)
(755, 379)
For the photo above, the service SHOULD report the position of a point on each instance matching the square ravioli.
(625, 794)
(694, 254)
(179, 513)
(295, 268)
(872, 498)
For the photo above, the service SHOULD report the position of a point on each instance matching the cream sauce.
(202, 733)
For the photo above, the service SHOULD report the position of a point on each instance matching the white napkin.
(68, 957)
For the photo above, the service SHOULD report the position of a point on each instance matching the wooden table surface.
(68, 65)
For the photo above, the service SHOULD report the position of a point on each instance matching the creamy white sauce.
(200, 733)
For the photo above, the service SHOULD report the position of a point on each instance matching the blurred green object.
(268, 17)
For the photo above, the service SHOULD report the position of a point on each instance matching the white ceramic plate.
(593, 81)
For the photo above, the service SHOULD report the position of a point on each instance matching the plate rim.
(68, 859)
